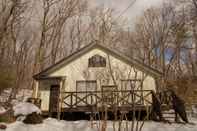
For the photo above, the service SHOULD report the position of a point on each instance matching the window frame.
(131, 81)
(85, 82)
(97, 61)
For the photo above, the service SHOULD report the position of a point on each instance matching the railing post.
(142, 97)
(91, 99)
(71, 99)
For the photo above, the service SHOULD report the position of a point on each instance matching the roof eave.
(144, 67)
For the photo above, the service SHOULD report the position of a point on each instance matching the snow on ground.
(55, 125)
(194, 109)
(25, 108)
(22, 95)
(2, 110)
(51, 125)
(153, 126)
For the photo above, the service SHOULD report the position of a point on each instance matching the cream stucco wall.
(79, 70)
(44, 92)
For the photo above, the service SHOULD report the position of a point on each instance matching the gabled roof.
(139, 65)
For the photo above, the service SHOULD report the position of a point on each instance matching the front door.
(108, 94)
(54, 98)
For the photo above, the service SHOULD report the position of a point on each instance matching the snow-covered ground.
(22, 95)
(55, 125)
(2, 110)
(25, 108)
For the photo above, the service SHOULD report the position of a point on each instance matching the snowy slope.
(2, 110)
(25, 108)
(55, 125)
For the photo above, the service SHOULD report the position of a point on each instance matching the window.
(108, 94)
(97, 61)
(131, 84)
(88, 85)
(84, 89)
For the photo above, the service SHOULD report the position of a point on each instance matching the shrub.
(33, 118)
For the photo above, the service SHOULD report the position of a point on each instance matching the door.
(109, 94)
(54, 98)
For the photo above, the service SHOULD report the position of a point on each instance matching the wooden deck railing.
(109, 98)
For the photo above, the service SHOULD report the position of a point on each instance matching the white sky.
(120, 5)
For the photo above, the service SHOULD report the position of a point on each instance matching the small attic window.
(97, 61)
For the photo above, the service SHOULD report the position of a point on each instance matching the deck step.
(169, 115)
(168, 112)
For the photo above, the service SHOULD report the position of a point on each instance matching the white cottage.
(95, 76)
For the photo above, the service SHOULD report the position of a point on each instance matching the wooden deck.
(97, 101)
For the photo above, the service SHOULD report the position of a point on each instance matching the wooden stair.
(169, 115)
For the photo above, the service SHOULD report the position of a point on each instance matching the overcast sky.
(120, 5)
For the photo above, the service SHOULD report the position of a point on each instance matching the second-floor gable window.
(97, 61)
